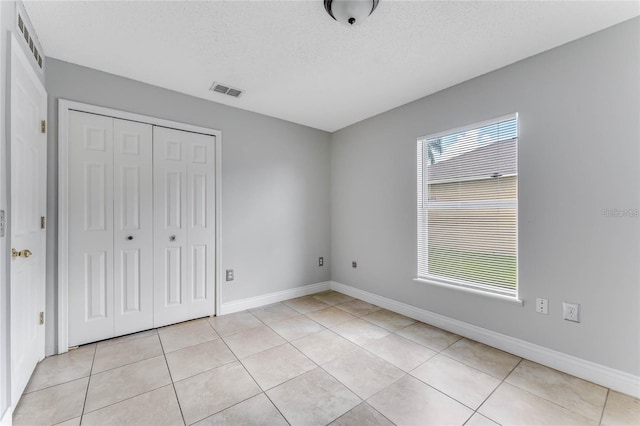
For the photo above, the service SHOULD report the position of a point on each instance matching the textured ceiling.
(294, 62)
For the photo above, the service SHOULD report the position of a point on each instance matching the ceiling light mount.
(350, 12)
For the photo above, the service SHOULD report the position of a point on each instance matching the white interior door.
(184, 225)
(28, 204)
(133, 223)
(91, 228)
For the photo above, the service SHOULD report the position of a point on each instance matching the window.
(468, 206)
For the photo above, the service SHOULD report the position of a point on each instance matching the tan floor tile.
(306, 304)
(410, 402)
(58, 369)
(363, 373)
(482, 357)
(330, 316)
(389, 320)
(277, 365)
(480, 420)
(426, 335)
(226, 325)
(324, 347)
(621, 410)
(125, 382)
(510, 405)
(196, 359)
(570, 392)
(362, 414)
(52, 405)
(295, 328)
(253, 341)
(182, 335)
(358, 307)
(71, 422)
(314, 398)
(332, 297)
(207, 393)
(130, 351)
(274, 313)
(461, 382)
(255, 411)
(158, 407)
(399, 351)
(359, 331)
(128, 337)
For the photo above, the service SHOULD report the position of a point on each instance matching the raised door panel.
(133, 226)
(91, 231)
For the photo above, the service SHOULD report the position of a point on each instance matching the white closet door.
(133, 227)
(91, 230)
(184, 222)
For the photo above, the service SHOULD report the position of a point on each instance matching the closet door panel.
(91, 230)
(184, 173)
(201, 222)
(170, 233)
(133, 227)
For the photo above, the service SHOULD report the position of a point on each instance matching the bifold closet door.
(184, 222)
(110, 227)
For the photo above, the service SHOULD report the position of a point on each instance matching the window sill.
(502, 297)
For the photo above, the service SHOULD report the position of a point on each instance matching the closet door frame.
(64, 107)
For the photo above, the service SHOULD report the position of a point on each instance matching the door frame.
(64, 106)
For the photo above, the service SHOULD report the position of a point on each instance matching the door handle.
(22, 253)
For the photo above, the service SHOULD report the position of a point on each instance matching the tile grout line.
(606, 399)
(569, 410)
(86, 395)
(248, 372)
(496, 388)
(252, 378)
(173, 384)
(129, 363)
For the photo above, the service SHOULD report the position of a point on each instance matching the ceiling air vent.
(226, 90)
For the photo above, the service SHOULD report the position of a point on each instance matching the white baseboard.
(587, 370)
(7, 417)
(267, 299)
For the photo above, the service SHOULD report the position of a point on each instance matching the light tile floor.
(315, 360)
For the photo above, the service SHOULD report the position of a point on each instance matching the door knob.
(22, 253)
(130, 237)
(172, 238)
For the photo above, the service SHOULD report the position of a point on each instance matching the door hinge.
(43, 126)
(41, 318)
(41, 222)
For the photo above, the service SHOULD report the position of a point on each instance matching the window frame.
(494, 291)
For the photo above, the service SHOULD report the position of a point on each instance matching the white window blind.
(468, 206)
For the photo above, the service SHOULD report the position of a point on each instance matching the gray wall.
(579, 107)
(275, 183)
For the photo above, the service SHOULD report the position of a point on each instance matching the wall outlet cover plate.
(571, 311)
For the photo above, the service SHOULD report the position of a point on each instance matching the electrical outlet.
(542, 306)
(354, 264)
(321, 261)
(229, 274)
(571, 311)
